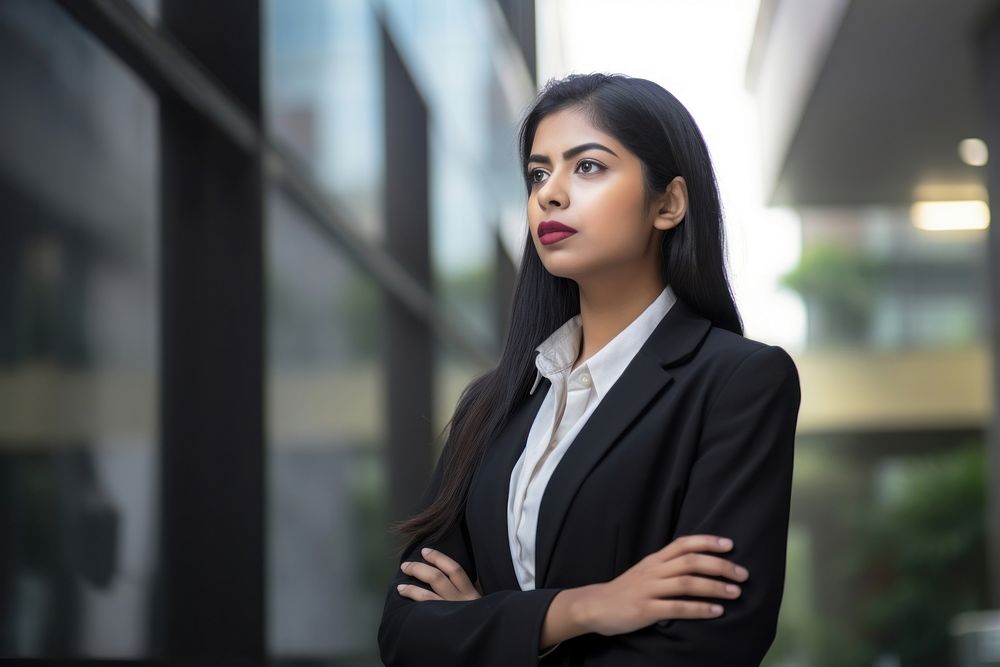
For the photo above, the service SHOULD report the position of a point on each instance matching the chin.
(563, 269)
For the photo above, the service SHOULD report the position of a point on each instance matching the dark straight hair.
(655, 126)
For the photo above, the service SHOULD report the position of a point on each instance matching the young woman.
(618, 486)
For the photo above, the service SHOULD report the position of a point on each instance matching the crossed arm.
(496, 630)
(740, 486)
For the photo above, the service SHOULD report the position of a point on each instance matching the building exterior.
(252, 251)
(876, 118)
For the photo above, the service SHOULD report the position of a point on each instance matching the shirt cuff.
(553, 648)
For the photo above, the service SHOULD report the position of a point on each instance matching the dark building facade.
(251, 253)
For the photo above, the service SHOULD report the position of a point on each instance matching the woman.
(629, 434)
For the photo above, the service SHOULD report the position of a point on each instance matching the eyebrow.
(572, 152)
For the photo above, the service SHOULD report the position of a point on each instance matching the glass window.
(78, 344)
(326, 521)
(323, 99)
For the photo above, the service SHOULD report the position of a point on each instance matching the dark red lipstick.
(553, 231)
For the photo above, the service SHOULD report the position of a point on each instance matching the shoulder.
(725, 355)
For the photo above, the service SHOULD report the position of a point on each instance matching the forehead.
(567, 128)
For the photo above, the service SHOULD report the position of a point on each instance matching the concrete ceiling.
(898, 90)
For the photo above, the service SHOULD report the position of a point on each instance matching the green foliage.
(923, 555)
(915, 559)
(841, 284)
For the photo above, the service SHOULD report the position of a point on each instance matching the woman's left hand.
(446, 577)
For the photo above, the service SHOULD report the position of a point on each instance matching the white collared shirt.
(572, 397)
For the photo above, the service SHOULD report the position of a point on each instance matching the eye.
(591, 163)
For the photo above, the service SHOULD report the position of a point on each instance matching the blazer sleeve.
(499, 629)
(739, 487)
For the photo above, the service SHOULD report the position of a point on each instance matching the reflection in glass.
(325, 433)
(78, 342)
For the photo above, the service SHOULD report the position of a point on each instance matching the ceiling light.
(973, 152)
(950, 215)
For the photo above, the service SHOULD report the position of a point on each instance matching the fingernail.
(400, 587)
(404, 565)
(742, 571)
(425, 551)
(725, 542)
(716, 609)
(732, 589)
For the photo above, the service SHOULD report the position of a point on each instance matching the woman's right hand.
(643, 594)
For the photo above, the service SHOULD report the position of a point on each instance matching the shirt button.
(585, 380)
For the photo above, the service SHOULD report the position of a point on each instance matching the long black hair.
(655, 126)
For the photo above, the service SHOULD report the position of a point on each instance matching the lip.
(552, 231)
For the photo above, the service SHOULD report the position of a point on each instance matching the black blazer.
(695, 437)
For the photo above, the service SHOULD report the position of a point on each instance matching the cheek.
(615, 219)
(613, 229)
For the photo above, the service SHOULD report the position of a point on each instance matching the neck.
(608, 305)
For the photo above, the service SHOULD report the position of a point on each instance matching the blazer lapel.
(675, 337)
(671, 342)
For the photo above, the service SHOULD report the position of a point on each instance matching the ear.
(671, 206)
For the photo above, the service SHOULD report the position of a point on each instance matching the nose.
(551, 193)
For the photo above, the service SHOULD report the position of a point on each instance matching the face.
(586, 180)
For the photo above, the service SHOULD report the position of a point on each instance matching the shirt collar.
(557, 353)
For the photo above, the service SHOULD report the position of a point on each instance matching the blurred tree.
(919, 559)
(839, 287)
(924, 554)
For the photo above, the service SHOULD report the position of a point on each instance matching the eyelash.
(531, 172)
